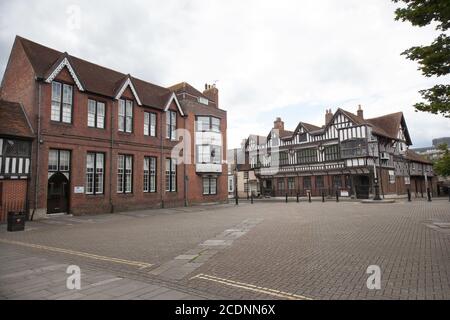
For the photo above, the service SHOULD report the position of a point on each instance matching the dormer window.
(125, 116)
(203, 101)
(62, 100)
(171, 125)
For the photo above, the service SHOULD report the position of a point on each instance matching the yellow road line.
(139, 264)
(251, 287)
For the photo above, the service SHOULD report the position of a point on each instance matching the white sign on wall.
(78, 190)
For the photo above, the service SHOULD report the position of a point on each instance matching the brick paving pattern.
(263, 251)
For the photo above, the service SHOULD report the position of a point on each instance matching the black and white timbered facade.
(345, 156)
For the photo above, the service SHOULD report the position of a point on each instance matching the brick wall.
(12, 197)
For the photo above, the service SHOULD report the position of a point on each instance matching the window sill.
(60, 123)
(102, 129)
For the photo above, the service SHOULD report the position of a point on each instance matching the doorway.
(362, 186)
(58, 194)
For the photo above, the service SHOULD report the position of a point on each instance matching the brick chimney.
(328, 116)
(360, 112)
(278, 124)
(212, 93)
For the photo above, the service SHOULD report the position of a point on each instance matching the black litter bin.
(16, 221)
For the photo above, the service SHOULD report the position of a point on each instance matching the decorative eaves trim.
(172, 98)
(65, 63)
(122, 90)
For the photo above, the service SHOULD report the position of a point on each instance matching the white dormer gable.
(173, 97)
(65, 63)
(125, 85)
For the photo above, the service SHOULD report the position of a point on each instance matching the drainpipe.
(162, 160)
(38, 144)
(111, 148)
(184, 166)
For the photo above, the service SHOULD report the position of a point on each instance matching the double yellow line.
(139, 264)
(251, 287)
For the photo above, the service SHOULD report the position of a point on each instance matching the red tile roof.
(13, 120)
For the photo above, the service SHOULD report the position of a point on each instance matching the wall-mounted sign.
(78, 190)
(344, 193)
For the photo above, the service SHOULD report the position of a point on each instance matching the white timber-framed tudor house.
(340, 157)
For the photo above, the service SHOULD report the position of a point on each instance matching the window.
(95, 169)
(150, 124)
(307, 183)
(307, 155)
(124, 174)
(280, 184)
(291, 184)
(209, 154)
(407, 180)
(319, 182)
(96, 114)
(354, 148)
(206, 123)
(209, 186)
(58, 160)
(284, 159)
(337, 181)
(331, 152)
(171, 125)
(125, 115)
(149, 174)
(391, 176)
(62, 98)
(171, 175)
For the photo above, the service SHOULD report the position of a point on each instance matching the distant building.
(433, 152)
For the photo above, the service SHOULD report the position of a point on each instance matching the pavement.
(265, 250)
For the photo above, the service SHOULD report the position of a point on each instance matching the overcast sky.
(289, 59)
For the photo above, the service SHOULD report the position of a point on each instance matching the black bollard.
(298, 198)
(448, 195)
(251, 198)
(337, 196)
(323, 196)
(429, 194)
(409, 195)
(286, 198)
(309, 197)
(237, 200)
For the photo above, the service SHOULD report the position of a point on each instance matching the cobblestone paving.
(261, 251)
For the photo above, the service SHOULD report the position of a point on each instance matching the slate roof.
(94, 78)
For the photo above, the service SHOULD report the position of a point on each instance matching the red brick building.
(105, 140)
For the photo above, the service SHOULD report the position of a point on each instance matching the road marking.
(250, 287)
(139, 264)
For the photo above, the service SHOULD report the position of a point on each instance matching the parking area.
(266, 250)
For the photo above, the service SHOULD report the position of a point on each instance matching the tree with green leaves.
(434, 59)
(442, 166)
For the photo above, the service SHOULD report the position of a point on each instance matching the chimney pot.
(360, 112)
(328, 116)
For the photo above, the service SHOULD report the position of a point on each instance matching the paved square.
(268, 250)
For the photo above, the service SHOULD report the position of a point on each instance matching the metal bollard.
(337, 196)
(309, 197)
(429, 194)
(286, 198)
(251, 198)
(237, 200)
(409, 195)
(298, 198)
(323, 196)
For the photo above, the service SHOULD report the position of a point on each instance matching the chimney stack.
(360, 112)
(328, 116)
(212, 93)
(278, 124)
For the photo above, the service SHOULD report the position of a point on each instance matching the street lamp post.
(375, 180)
